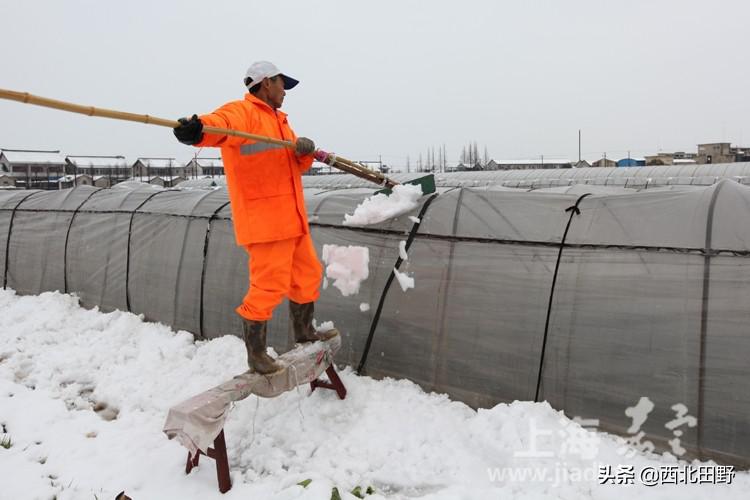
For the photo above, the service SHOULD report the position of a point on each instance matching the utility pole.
(579, 145)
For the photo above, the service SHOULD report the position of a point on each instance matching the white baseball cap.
(260, 70)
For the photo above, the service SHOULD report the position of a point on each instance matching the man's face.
(276, 92)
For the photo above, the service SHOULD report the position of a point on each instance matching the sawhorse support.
(219, 451)
(219, 454)
(335, 383)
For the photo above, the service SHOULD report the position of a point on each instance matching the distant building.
(316, 169)
(161, 167)
(604, 162)
(740, 153)
(631, 162)
(462, 167)
(114, 168)
(716, 152)
(582, 164)
(166, 181)
(678, 158)
(202, 167)
(681, 155)
(31, 168)
(534, 164)
(7, 181)
(492, 165)
(72, 180)
(660, 159)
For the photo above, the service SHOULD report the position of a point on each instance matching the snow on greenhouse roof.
(147, 179)
(33, 156)
(202, 183)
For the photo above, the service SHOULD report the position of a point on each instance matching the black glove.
(304, 146)
(190, 131)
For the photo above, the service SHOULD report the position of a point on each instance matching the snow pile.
(377, 208)
(59, 364)
(404, 280)
(347, 266)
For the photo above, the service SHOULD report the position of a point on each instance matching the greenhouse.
(588, 288)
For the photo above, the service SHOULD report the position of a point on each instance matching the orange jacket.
(264, 180)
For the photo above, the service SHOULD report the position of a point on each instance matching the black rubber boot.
(254, 333)
(301, 316)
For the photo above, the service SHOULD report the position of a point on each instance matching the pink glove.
(324, 157)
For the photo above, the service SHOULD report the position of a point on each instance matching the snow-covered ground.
(83, 397)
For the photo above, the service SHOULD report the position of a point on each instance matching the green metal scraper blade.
(427, 183)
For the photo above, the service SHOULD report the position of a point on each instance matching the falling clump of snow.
(364, 307)
(347, 266)
(404, 280)
(380, 207)
(402, 250)
(415, 220)
(56, 358)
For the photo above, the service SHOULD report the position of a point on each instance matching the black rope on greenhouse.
(384, 293)
(203, 266)
(10, 231)
(130, 234)
(574, 210)
(704, 316)
(67, 236)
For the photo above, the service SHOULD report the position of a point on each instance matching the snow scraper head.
(427, 183)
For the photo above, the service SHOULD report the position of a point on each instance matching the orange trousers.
(278, 269)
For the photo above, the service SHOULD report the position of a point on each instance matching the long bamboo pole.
(338, 162)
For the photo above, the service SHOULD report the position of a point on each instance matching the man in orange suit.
(268, 207)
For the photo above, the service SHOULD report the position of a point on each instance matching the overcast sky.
(390, 78)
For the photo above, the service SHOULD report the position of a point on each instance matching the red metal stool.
(219, 451)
